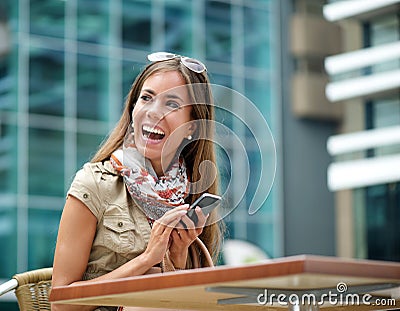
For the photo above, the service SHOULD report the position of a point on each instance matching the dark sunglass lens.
(193, 65)
(168, 56)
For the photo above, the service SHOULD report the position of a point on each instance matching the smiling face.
(161, 114)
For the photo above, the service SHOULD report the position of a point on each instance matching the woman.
(125, 212)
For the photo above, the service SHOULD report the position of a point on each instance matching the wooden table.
(249, 287)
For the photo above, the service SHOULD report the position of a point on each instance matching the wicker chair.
(32, 289)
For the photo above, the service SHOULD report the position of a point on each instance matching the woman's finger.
(187, 223)
(171, 218)
(177, 234)
(201, 219)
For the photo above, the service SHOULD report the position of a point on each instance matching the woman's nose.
(155, 111)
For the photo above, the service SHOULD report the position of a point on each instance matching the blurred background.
(324, 74)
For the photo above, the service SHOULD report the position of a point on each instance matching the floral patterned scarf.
(154, 195)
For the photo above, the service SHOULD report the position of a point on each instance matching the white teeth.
(152, 130)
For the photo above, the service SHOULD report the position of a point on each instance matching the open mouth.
(152, 133)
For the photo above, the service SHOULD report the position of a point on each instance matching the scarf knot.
(154, 195)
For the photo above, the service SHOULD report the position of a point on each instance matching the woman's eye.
(145, 98)
(173, 105)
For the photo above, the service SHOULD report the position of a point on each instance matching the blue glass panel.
(384, 30)
(8, 156)
(92, 89)
(258, 4)
(9, 306)
(42, 236)
(259, 93)
(218, 31)
(87, 146)
(136, 24)
(130, 70)
(261, 233)
(46, 82)
(8, 240)
(224, 168)
(46, 162)
(93, 21)
(220, 79)
(178, 29)
(7, 84)
(256, 39)
(47, 17)
(383, 222)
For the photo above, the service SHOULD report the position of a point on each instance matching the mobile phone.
(207, 202)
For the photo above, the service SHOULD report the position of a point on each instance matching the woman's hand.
(161, 233)
(183, 236)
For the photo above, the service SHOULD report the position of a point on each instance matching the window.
(92, 88)
(46, 82)
(382, 213)
(47, 17)
(46, 162)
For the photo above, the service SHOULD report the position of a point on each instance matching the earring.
(189, 137)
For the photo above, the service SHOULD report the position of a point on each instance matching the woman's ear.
(192, 128)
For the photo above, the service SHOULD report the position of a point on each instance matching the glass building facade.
(382, 209)
(65, 69)
(375, 206)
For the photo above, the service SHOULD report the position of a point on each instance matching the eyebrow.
(149, 91)
(173, 96)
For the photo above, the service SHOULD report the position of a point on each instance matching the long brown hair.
(194, 153)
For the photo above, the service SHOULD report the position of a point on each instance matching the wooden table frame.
(212, 288)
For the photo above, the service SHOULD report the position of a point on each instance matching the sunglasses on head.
(190, 63)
